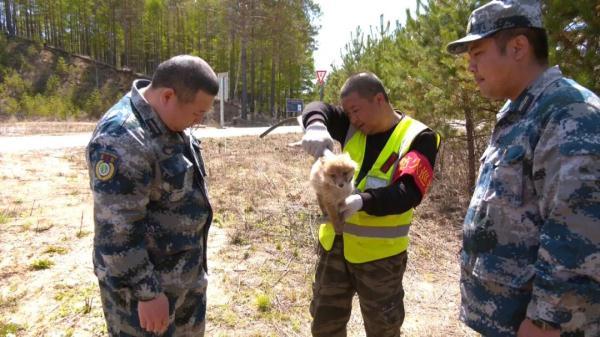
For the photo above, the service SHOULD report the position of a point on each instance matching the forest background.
(267, 49)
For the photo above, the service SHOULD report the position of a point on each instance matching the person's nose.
(472, 65)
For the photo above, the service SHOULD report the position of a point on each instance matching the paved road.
(44, 142)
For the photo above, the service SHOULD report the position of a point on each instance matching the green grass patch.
(41, 264)
(263, 302)
(55, 250)
(4, 217)
(7, 329)
(76, 300)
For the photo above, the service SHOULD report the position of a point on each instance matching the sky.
(341, 17)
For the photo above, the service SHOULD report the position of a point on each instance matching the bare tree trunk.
(258, 85)
(61, 28)
(232, 64)
(28, 21)
(272, 96)
(113, 35)
(10, 20)
(243, 62)
(244, 59)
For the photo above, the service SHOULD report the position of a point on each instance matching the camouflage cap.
(498, 15)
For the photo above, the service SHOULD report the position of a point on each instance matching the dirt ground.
(261, 246)
(15, 128)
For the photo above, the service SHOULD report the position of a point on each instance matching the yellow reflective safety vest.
(368, 237)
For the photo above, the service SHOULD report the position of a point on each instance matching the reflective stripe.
(376, 232)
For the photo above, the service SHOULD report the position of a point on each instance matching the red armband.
(418, 167)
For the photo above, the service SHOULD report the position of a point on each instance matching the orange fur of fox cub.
(332, 178)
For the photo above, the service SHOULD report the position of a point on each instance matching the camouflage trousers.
(377, 283)
(187, 311)
(497, 310)
(491, 308)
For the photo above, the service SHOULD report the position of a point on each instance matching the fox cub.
(332, 178)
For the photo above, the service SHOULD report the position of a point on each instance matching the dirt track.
(14, 144)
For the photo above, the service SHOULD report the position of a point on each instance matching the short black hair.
(365, 84)
(186, 74)
(537, 38)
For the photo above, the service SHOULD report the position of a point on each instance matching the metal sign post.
(223, 95)
(321, 81)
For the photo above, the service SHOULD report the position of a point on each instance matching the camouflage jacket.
(151, 208)
(534, 218)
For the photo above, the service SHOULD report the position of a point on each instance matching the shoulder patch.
(105, 167)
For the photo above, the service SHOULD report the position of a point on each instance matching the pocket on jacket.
(504, 271)
(177, 174)
(506, 185)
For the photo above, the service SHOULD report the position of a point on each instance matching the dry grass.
(43, 128)
(48, 199)
(261, 254)
(261, 194)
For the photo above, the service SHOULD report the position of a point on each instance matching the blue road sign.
(293, 107)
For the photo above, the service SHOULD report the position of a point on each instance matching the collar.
(149, 116)
(530, 94)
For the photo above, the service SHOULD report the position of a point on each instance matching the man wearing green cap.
(530, 264)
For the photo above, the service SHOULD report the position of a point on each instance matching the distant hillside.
(39, 82)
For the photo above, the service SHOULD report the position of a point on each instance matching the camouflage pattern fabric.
(498, 15)
(187, 311)
(531, 244)
(151, 209)
(377, 283)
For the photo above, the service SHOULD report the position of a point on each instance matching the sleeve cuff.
(314, 118)
(539, 309)
(367, 199)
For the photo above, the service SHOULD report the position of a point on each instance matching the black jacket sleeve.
(404, 193)
(332, 116)
(397, 198)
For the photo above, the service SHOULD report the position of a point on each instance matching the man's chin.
(486, 94)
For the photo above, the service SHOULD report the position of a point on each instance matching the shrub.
(93, 105)
(14, 85)
(52, 85)
(62, 68)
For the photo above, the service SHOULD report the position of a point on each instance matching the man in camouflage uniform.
(530, 259)
(151, 208)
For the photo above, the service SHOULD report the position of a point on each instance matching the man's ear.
(519, 47)
(166, 95)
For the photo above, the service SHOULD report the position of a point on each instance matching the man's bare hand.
(154, 314)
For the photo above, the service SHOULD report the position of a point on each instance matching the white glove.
(352, 204)
(316, 139)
